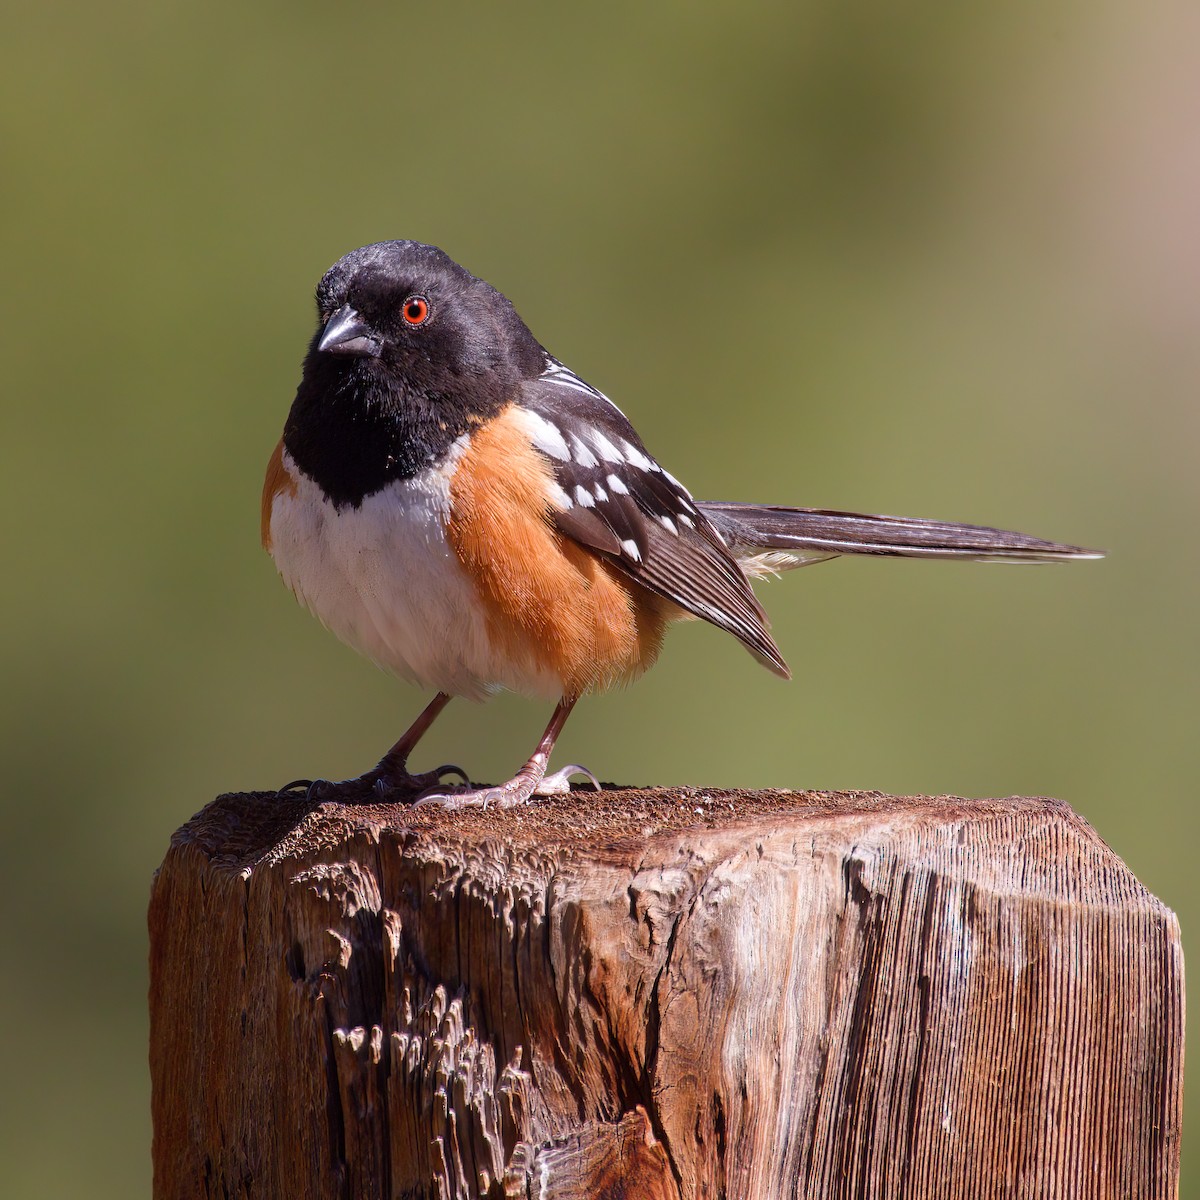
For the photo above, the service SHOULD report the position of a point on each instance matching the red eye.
(416, 310)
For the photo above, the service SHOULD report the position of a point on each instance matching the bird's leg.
(393, 766)
(530, 780)
(391, 774)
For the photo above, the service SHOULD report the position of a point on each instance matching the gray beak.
(347, 333)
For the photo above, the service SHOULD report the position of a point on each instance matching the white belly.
(385, 580)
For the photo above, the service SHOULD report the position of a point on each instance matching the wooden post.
(667, 993)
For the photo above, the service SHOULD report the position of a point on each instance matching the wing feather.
(624, 506)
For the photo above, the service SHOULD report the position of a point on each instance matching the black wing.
(614, 498)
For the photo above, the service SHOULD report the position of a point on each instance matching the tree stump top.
(1036, 846)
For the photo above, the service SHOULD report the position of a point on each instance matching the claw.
(517, 791)
(346, 790)
(290, 791)
(385, 782)
(559, 784)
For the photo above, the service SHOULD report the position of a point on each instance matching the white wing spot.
(684, 519)
(546, 436)
(604, 447)
(565, 377)
(583, 497)
(668, 524)
(558, 497)
(582, 455)
(616, 486)
(562, 376)
(636, 458)
(600, 494)
(630, 548)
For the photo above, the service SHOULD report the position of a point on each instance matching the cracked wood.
(661, 994)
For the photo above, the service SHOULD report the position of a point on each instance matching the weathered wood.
(661, 994)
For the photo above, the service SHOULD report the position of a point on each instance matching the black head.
(410, 351)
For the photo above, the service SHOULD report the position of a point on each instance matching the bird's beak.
(347, 333)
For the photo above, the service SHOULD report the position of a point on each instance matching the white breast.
(385, 580)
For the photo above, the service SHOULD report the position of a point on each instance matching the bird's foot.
(559, 784)
(388, 781)
(517, 791)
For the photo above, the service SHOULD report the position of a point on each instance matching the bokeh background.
(933, 259)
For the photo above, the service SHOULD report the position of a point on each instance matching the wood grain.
(661, 994)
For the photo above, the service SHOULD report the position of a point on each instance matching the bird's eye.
(415, 310)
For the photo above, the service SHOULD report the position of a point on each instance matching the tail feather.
(768, 538)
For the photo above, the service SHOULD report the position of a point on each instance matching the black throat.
(355, 427)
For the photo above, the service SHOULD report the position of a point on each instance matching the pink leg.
(391, 775)
(530, 780)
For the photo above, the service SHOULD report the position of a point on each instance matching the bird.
(463, 509)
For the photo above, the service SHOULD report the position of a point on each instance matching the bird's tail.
(767, 539)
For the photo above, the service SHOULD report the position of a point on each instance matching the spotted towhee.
(467, 512)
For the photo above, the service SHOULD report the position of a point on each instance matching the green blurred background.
(933, 259)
